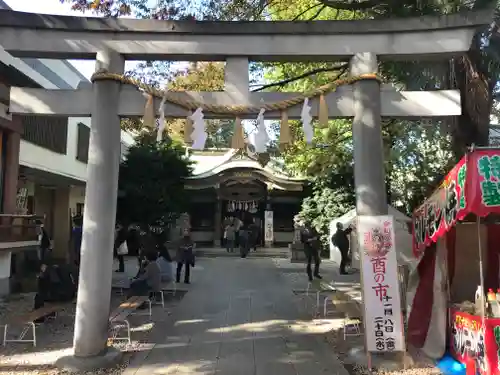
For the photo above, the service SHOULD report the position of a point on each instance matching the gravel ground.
(293, 274)
(419, 364)
(55, 338)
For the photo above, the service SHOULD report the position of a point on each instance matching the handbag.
(122, 249)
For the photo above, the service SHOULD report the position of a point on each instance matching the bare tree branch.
(297, 17)
(361, 5)
(316, 15)
(342, 69)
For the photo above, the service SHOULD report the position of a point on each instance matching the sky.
(86, 67)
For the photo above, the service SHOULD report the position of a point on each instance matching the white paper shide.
(383, 324)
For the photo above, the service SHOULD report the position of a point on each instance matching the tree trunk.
(476, 94)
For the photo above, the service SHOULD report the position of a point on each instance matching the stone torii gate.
(112, 41)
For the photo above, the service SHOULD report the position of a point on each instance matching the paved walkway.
(240, 317)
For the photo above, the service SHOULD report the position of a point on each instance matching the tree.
(408, 146)
(151, 183)
(205, 76)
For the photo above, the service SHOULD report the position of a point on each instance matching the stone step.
(260, 253)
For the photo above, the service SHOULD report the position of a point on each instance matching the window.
(47, 132)
(82, 148)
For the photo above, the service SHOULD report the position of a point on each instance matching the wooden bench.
(319, 286)
(353, 316)
(28, 322)
(118, 319)
(170, 287)
(121, 285)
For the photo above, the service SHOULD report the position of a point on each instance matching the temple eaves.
(240, 160)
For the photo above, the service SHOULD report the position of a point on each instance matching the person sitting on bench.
(149, 280)
(44, 287)
(55, 284)
(165, 264)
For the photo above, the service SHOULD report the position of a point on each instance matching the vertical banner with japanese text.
(382, 304)
(268, 226)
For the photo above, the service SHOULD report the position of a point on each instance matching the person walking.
(185, 257)
(310, 238)
(340, 240)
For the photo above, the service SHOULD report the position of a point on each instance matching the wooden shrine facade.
(236, 186)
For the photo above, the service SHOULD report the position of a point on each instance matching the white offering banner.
(383, 320)
(269, 226)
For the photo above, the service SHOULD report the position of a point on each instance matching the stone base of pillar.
(217, 243)
(4, 286)
(107, 360)
(297, 252)
(268, 244)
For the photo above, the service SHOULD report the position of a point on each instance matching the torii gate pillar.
(369, 171)
(96, 266)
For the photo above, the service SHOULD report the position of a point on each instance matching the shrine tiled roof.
(211, 162)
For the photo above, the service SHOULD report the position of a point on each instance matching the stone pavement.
(239, 317)
(295, 275)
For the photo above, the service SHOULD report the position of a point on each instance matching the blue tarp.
(449, 366)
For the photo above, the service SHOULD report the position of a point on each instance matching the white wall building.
(53, 151)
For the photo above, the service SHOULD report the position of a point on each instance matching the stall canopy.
(471, 187)
(402, 234)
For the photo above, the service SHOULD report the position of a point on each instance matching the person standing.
(185, 257)
(120, 246)
(237, 226)
(230, 237)
(341, 240)
(134, 243)
(44, 243)
(254, 235)
(76, 235)
(310, 238)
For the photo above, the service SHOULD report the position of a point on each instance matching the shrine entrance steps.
(262, 252)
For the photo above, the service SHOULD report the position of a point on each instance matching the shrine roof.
(210, 163)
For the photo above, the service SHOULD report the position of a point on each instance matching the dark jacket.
(185, 251)
(56, 284)
(121, 237)
(133, 241)
(77, 234)
(310, 238)
(45, 242)
(341, 240)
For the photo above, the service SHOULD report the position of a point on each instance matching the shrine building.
(230, 183)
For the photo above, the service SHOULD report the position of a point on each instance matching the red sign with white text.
(472, 186)
(469, 339)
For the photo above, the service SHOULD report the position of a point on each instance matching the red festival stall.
(458, 252)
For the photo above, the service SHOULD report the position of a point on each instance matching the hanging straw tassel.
(149, 113)
(285, 137)
(188, 129)
(323, 112)
(238, 140)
